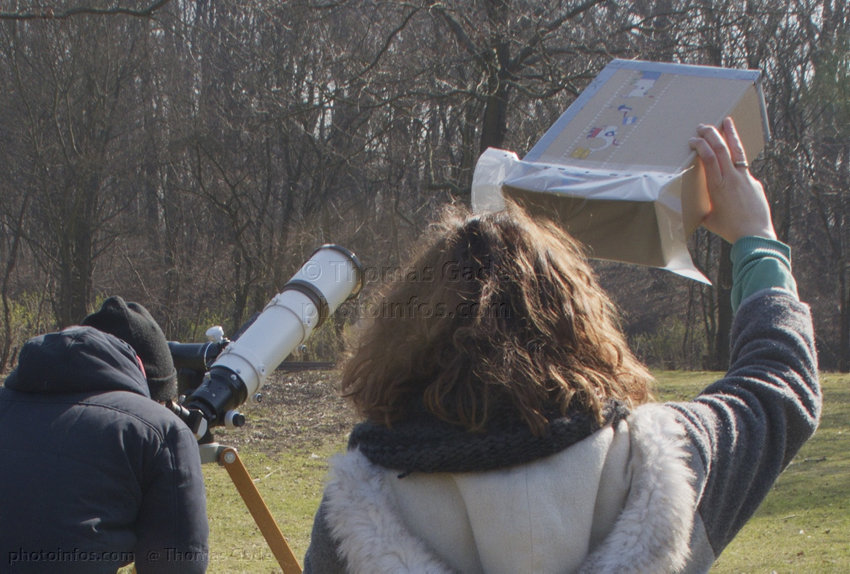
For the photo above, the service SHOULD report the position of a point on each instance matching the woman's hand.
(738, 205)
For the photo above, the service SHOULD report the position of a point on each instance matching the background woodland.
(191, 154)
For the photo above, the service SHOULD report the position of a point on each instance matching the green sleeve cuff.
(760, 263)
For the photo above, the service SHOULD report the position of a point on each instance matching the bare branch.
(51, 14)
(389, 40)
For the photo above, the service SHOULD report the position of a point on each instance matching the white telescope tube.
(323, 283)
(332, 275)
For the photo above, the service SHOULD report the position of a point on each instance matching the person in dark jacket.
(95, 473)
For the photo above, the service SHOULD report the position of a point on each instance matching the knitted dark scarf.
(426, 444)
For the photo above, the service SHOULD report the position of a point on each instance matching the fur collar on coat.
(620, 501)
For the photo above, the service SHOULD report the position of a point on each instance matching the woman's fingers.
(736, 148)
(713, 175)
(738, 204)
(726, 147)
(718, 144)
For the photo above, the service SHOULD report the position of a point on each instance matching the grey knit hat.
(134, 324)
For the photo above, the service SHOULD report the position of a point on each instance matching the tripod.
(228, 457)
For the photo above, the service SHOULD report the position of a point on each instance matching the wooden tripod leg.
(230, 460)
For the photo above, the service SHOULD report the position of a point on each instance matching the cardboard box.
(616, 170)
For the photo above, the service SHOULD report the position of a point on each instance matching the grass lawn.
(803, 525)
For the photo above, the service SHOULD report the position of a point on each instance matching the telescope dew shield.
(331, 276)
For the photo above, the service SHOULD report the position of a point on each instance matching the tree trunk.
(494, 125)
(844, 320)
(5, 288)
(720, 360)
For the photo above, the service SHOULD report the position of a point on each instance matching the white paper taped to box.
(616, 171)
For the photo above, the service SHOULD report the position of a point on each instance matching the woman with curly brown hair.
(508, 427)
(503, 316)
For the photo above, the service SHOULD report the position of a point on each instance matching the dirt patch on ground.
(298, 411)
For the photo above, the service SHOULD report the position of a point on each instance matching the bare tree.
(827, 158)
(72, 126)
(192, 154)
